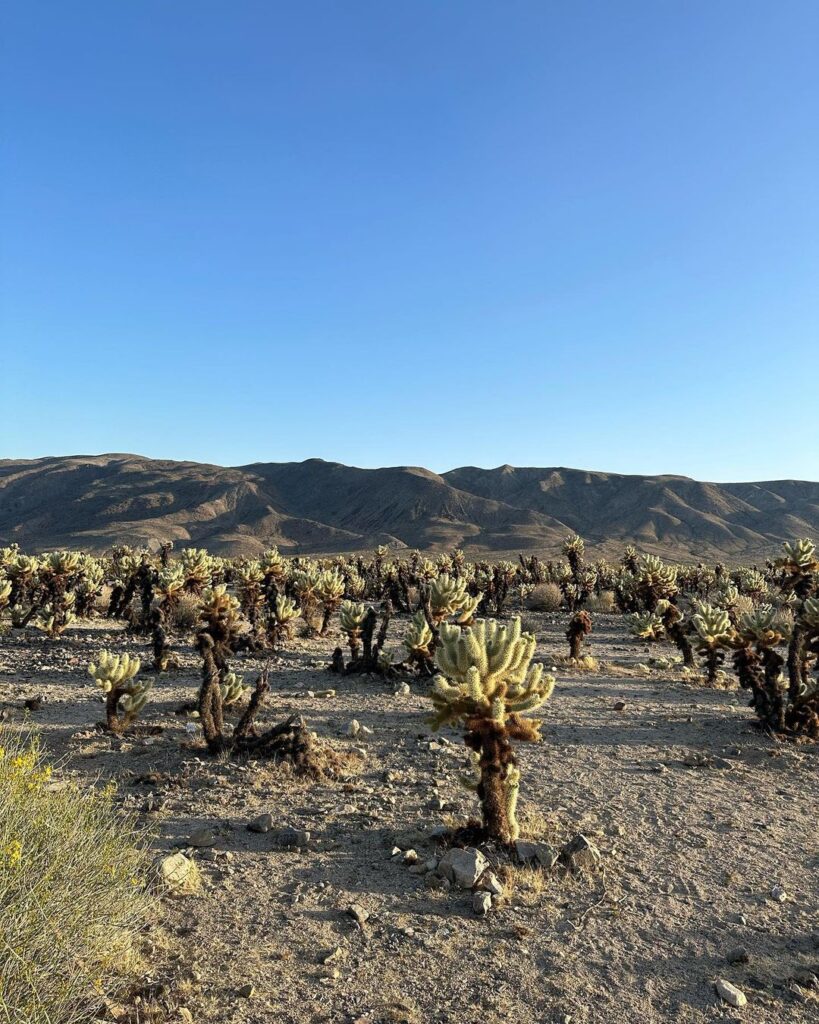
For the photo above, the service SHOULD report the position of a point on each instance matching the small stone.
(410, 857)
(201, 837)
(723, 763)
(580, 854)
(729, 993)
(805, 977)
(739, 955)
(404, 690)
(546, 855)
(481, 903)
(779, 894)
(293, 838)
(432, 880)
(263, 823)
(525, 851)
(396, 852)
(353, 729)
(246, 991)
(463, 867)
(492, 884)
(358, 914)
(619, 705)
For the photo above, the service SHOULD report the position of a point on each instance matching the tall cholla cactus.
(487, 682)
(125, 697)
(329, 592)
(197, 568)
(713, 634)
(219, 611)
(800, 567)
(285, 610)
(448, 596)
(655, 581)
(5, 593)
(419, 643)
(351, 618)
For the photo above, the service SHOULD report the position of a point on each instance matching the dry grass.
(72, 892)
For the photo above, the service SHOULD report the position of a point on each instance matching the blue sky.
(437, 233)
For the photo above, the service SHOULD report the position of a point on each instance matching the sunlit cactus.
(329, 592)
(799, 566)
(197, 568)
(655, 581)
(713, 634)
(351, 619)
(5, 593)
(487, 682)
(448, 596)
(232, 689)
(219, 612)
(273, 565)
(125, 697)
(646, 626)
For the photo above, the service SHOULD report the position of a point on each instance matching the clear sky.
(431, 232)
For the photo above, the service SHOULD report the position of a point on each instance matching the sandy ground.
(690, 854)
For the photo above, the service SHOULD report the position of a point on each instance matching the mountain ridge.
(321, 507)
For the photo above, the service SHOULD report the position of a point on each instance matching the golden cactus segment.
(419, 635)
(351, 616)
(285, 610)
(486, 670)
(114, 671)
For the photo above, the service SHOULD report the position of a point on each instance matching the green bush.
(72, 892)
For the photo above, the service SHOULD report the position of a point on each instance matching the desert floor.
(690, 855)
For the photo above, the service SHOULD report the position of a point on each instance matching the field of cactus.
(570, 789)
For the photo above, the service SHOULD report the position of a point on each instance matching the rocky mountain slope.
(92, 502)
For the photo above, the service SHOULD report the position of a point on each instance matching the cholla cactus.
(647, 626)
(419, 643)
(125, 696)
(232, 688)
(655, 581)
(351, 619)
(448, 596)
(487, 682)
(273, 566)
(713, 634)
(219, 611)
(800, 567)
(197, 568)
(329, 592)
(5, 593)
(580, 625)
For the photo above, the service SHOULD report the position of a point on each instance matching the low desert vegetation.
(73, 891)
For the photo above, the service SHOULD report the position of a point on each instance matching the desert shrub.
(546, 597)
(603, 603)
(72, 892)
(185, 616)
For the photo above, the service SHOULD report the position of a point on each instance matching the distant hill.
(93, 502)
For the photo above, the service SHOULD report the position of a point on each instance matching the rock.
(178, 875)
(292, 838)
(491, 883)
(410, 857)
(404, 690)
(580, 854)
(779, 894)
(619, 705)
(201, 837)
(694, 759)
(481, 903)
(805, 977)
(263, 823)
(358, 914)
(462, 867)
(738, 955)
(246, 991)
(432, 880)
(353, 729)
(546, 855)
(396, 852)
(723, 763)
(729, 993)
(525, 851)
